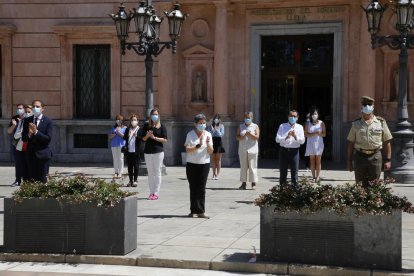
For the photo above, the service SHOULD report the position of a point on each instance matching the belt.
(289, 149)
(368, 151)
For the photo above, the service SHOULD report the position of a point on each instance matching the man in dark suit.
(37, 131)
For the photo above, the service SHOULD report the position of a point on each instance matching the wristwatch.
(387, 159)
(198, 146)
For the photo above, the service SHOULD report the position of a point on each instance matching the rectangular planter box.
(49, 226)
(326, 238)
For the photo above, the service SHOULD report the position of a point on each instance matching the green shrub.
(73, 189)
(376, 198)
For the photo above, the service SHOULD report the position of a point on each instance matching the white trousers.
(248, 162)
(154, 166)
(118, 158)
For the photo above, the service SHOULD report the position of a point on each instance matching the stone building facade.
(233, 55)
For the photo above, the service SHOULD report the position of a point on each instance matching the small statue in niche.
(198, 87)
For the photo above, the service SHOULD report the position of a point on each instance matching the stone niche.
(199, 80)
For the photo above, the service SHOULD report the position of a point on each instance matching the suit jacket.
(39, 143)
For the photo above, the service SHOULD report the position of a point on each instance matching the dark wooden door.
(296, 74)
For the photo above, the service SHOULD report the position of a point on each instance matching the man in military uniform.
(368, 135)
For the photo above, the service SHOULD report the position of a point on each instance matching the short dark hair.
(42, 104)
(199, 117)
(293, 110)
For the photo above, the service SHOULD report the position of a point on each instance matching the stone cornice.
(7, 29)
(85, 29)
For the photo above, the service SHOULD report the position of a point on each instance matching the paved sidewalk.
(226, 241)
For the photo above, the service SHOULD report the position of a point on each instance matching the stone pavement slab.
(226, 241)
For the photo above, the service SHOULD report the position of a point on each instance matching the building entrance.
(296, 73)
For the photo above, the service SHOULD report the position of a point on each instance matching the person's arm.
(387, 149)
(300, 136)
(45, 136)
(254, 136)
(119, 133)
(12, 126)
(350, 156)
(279, 137)
(209, 144)
(305, 130)
(238, 136)
(189, 148)
(323, 134)
(163, 138)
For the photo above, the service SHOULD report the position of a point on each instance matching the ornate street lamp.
(148, 44)
(402, 158)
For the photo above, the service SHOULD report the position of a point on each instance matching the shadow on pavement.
(163, 216)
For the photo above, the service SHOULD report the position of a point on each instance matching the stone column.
(220, 60)
(367, 70)
(166, 73)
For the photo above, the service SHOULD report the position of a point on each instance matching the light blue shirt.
(217, 131)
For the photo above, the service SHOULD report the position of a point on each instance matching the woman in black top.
(132, 137)
(154, 135)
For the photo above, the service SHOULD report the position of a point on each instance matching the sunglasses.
(365, 104)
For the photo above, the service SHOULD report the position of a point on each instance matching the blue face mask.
(292, 120)
(37, 111)
(154, 118)
(201, 127)
(247, 121)
(367, 109)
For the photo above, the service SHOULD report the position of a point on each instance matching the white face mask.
(134, 123)
(315, 117)
(216, 121)
(367, 109)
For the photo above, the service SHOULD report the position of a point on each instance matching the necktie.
(35, 121)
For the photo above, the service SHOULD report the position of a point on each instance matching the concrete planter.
(49, 226)
(326, 238)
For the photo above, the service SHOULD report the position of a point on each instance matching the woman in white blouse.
(199, 146)
(248, 135)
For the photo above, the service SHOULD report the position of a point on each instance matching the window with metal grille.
(93, 141)
(92, 81)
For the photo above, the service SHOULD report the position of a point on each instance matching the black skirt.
(218, 145)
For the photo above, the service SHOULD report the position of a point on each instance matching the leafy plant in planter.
(71, 215)
(75, 190)
(376, 198)
(346, 225)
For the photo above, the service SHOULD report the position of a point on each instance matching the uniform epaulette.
(380, 118)
(357, 119)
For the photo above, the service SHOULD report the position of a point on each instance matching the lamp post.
(402, 158)
(147, 43)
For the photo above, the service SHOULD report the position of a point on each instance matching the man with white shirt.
(290, 136)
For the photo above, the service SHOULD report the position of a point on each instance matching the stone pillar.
(367, 71)
(166, 73)
(220, 60)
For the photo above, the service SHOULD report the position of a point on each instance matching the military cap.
(366, 99)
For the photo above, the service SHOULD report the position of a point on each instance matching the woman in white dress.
(315, 131)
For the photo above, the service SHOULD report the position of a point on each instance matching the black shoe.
(243, 186)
